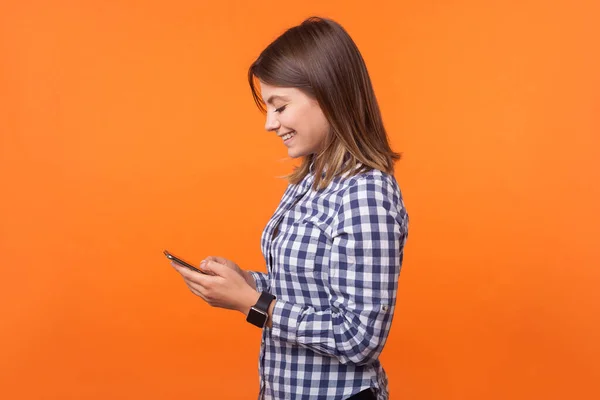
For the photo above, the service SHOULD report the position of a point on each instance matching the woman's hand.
(234, 267)
(225, 286)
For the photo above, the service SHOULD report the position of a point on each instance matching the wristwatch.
(259, 313)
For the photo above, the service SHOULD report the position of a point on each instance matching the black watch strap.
(264, 301)
(259, 313)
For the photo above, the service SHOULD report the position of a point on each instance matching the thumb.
(220, 260)
(212, 267)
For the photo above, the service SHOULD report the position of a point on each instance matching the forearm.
(249, 299)
(351, 336)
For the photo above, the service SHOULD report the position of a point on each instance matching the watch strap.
(264, 301)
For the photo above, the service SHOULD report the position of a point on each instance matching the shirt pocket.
(301, 249)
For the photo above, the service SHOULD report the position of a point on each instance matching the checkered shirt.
(333, 265)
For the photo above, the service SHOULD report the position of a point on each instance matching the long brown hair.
(321, 59)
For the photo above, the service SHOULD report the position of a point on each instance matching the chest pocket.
(300, 249)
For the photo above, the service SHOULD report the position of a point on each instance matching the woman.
(334, 245)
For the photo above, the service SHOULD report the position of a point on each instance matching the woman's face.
(296, 118)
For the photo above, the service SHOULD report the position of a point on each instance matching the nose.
(272, 123)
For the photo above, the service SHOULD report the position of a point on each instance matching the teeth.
(289, 135)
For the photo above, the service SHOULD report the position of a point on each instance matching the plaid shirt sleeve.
(261, 279)
(369, 233)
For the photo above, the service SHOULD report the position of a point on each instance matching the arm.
(368, 241)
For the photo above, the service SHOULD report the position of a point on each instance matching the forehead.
(271, 93)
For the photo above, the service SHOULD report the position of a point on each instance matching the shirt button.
(385, 308)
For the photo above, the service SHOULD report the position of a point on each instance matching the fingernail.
(203, 263)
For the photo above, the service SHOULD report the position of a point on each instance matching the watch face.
(256, 317)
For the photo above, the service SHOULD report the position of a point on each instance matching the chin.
(295, 154)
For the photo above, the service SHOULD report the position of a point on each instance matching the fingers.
(220, 288)
(197, 290)
(205, 293)
(214, 267)
(190, 275)
(220, 260)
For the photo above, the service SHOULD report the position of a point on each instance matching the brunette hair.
(321, 59)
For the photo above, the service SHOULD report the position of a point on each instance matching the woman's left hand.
(221, 287)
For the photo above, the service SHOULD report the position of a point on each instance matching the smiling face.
(296, 118)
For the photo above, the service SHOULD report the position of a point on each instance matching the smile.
(288, 136)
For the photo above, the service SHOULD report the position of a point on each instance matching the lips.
(288, 135)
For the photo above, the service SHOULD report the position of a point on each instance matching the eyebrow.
(276, 96)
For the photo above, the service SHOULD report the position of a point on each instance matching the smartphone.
(182, 262)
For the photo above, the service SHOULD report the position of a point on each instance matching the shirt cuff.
(285, 319)
(260, 280)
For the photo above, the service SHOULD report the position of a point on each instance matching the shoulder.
(373, 184)
(369, 202)
(370, 192)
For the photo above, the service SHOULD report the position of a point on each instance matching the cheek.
(316, 123)
(320, 126)
(309, 121)
(289, 121)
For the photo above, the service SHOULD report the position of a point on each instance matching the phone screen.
(182, 262)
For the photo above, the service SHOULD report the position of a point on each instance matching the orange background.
(127, 127)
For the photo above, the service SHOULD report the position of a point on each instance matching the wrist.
(248, 299)
(260, 313)
(249, 279)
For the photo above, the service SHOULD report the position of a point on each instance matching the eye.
(280, 109)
